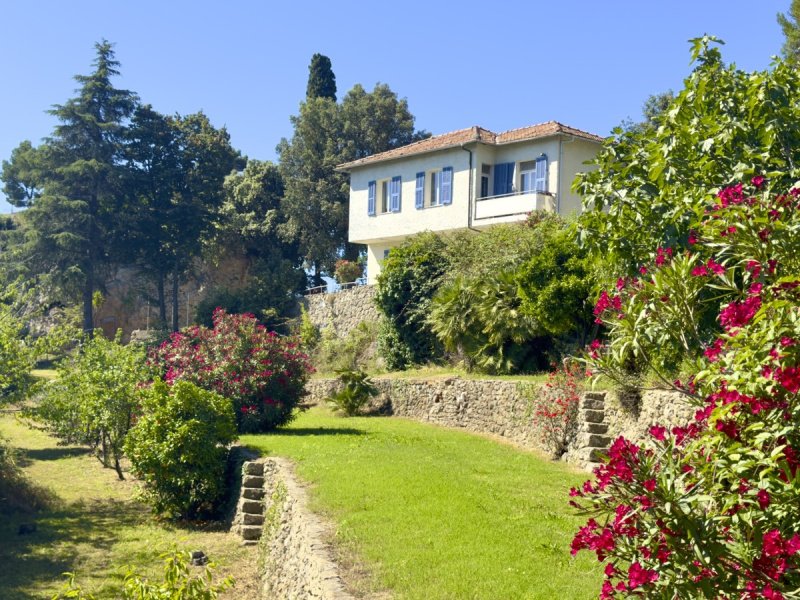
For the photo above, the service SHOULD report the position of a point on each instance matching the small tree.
(95, 397)
(178, 448)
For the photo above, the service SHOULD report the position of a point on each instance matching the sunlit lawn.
(94, 528)
(436, 513)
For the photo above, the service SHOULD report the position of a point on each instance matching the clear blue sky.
(245, 64)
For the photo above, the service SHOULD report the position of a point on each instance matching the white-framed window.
(434, 188)
(486, 175)
(533, 175)
(384, 196)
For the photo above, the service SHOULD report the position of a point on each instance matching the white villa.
(471, 178)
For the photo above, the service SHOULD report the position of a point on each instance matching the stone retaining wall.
(342, 310)
(501, 408)
(298, 564)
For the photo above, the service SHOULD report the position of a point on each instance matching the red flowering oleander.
(709, 508)
(262, 373)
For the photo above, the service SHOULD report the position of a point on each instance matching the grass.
(436, 513)
(94, 527)
(441, 372)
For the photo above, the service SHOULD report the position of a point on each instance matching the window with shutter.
(371, 187)
(419, 191)
(503, 178)
(541, 173)
(447, 185)
(394, 204)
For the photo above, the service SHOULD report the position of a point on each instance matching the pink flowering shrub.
(263, 374)
(710, 509)
(555, 406)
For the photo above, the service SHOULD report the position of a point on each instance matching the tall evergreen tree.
(77, 175)
(326, 134)
(321, 80)
(790, 24)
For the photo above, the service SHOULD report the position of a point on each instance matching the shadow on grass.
(27, 455)
(42, 556)
(320, 431)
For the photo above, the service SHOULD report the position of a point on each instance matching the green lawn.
(436, 513)
(94, 528)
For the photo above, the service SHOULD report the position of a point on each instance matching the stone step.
(592, 403)
(249, 542)
(253, 507)
(253, 481)
(597, 454)
(248, 519)
(250, 532)
(600, 428)
(593, 440)
(594, 416)
(253, 468)
(595, 395)
(253, 493)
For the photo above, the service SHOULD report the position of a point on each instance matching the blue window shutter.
(419, 191)
(447, 185)
(503, 178)
(541, 173)
(499, 179)
(371, 198)
(394, 198)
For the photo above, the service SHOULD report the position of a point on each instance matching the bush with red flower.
(347, 271)
(262, 373)
(555, 405)
(710, 509)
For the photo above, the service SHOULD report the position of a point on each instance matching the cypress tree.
(321, 80)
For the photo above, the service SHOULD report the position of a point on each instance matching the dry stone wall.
(298, 563)
(502, 408)
(342, 310)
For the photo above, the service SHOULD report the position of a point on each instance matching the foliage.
(355, 351)
(726, 125)
(507, 318)
(790, 25)
(178, 583)
(95, 397)
(327, 134)
(321, 80)
(18, 492)
(406, 286)
(308, 332)
(178, 448)
(356, 391)
(17, 358)
(555, 405)
(347, 271)
(262, 374)
(71, 184)
(710, 509)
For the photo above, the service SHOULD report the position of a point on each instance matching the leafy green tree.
(72, 185)
(95, 397)
(790, 25)
(321, 80)
(326, 134)
(248, 226)
(726, 125)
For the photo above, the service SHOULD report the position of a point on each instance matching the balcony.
(514, 204)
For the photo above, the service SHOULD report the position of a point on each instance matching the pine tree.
(321, 80)
(790, 24)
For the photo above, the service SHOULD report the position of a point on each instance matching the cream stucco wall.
(381, 232)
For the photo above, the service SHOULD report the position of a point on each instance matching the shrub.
(178, 448)
(357, 389)
(408, 281)
(179, 583)
(555, 406)
(17, 358)
(17, 492)
(710, 509)
(347, 271)
(262, 374)
(308, 332)
(95, 396)
(355, 351)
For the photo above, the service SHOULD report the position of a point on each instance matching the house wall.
(575, 153)
(394, 227)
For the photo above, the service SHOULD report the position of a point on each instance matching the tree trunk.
(175, 281)
(162, 301)
(88, 308)
(318, 280)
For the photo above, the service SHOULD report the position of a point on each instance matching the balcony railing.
(515, 203)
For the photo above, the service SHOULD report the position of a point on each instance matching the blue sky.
(245, 63)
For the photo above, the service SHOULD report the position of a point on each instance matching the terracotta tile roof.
(472, 134)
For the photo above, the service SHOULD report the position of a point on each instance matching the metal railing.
(332, 288)
(511, 194)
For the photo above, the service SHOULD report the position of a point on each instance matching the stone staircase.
(592, 439)
(249, 519)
